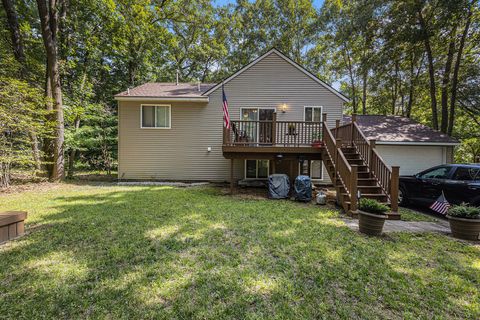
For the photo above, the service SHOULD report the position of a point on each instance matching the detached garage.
(406, 143)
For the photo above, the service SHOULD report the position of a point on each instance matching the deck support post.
(274, 129)
(338, 145)
(353, 190)
(394, 189)
(352, 127)
(231, 176)
(372, 144)
(337, 124)
(272, 170)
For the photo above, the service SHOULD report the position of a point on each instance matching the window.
(256, 169)
(313, 114)
(437, 173)
(155, 116)
(315, 169)
(466, 174)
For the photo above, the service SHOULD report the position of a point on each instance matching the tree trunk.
(17, 42)
(445, 83)
(35, 151)
(4, 175)
(453, 95)
(431, 69)
(48, 21)
(73, 152)
(364, 92)
(347, 59)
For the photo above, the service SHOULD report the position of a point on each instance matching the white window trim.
(245, 169)
(156, 105)
(310, 173)
(258, 110)
(313, 107)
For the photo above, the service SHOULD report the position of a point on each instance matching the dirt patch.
(31, 186)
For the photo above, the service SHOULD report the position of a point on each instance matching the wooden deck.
(270, 139)
(352, 161)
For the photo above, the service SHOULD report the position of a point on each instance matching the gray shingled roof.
(398, 129)
(167, 89)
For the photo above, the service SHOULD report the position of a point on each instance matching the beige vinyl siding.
(413, 159)
(180, 153)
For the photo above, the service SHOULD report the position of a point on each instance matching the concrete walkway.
(406, 226)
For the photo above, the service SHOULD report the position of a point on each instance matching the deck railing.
(348, 174)
(272, 133)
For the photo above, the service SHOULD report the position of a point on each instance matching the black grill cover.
(278, 186)
(303, 188)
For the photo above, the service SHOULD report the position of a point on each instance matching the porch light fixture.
(283, 107)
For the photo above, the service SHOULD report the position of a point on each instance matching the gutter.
(163, 99)
(416, 143)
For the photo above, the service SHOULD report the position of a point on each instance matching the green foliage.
(22, 119)
(372, 206)
(373, 50)
(464, 211)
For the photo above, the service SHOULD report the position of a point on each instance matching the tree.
(48, 13)
(21, 112)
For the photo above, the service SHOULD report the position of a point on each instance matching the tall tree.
(48, 13)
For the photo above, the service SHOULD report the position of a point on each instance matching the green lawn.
(157, 252)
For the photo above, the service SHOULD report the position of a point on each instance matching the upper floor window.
(313, 114)
(155, 116)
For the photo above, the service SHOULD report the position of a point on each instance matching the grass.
(408, 214)
(157, 252)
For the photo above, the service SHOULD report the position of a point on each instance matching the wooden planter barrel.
(12, 225)
(466, 229)
(370, 223)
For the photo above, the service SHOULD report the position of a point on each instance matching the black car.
(459, 183)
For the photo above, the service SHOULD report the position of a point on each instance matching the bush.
(464, 211)
(372, 206)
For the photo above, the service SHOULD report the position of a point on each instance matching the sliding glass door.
(258, 132)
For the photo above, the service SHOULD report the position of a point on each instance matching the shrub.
(372, 206)
(464, 211)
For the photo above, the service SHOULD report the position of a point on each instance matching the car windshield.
(437, 173)
(466, 174)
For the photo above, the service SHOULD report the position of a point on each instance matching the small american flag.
(226, 115)
(441, 205)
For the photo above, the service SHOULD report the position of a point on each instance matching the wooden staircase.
(356, 169)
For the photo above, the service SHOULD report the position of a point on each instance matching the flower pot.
(317, 144)
(370, 223)
(462, 228)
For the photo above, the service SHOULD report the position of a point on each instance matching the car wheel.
(402, 197)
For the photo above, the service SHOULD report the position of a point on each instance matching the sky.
(316, 3)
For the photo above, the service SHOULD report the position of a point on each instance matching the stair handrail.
(346, 172)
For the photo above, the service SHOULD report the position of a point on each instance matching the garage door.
(412, 159)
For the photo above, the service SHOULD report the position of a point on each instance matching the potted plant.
(317, 140)
(464, 221)
(291, 129)
(371, 216)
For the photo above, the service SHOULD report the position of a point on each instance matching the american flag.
(226, 115)
(441, 205)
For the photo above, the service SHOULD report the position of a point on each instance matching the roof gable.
(288, 60)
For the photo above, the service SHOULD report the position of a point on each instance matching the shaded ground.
(161, 252)
(407, 226)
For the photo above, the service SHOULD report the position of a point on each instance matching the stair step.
(379, 197)
(367, 182)
(370, 189)
(356, 161)
(349, 156)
